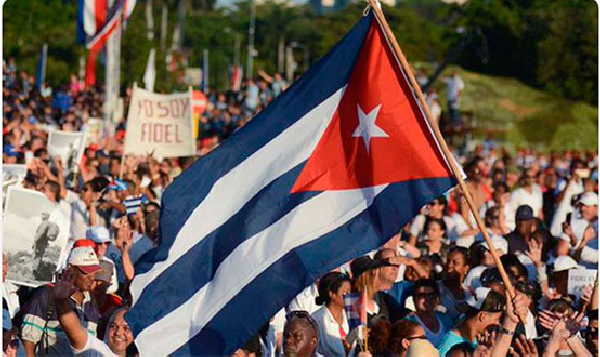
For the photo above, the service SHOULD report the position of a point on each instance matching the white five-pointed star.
(367, 128)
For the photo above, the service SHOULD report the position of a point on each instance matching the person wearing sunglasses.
(395, 340)
(300, 335)
(426, 297)
(434, 209)
(39, 330)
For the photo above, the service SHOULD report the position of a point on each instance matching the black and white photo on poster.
(35, 234)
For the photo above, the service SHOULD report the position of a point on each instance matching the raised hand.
(524, 347)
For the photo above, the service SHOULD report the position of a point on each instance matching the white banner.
(160, 123)
(580, 278)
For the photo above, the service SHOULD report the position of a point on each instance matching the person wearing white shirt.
(529, 194)
(434, 209)
(331, 317)
(305, 301)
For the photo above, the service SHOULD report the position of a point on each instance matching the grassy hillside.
(523, 116)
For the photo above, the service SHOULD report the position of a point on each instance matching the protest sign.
(35, 234)
(94, 130)
(580, 278)
(160, 123)
(68, 145)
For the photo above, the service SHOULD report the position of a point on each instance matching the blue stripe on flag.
(81, 35)
(320, 82)
(268, 206)
(282, 281)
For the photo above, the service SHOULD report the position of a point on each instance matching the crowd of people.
(434, 289)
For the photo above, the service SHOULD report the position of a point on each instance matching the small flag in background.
(235, 78)
(355, 310)
(40, 73)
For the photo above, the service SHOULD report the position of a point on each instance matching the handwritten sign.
(160, 123)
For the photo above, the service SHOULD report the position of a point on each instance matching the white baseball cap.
(476, 300)
(498, 242)
(98, 235)
(85, 259)
(564, 263)
(589, 199)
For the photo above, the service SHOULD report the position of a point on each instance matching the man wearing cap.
(519, 238)
(40, 329)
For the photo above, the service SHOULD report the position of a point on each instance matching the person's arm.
(123, 242)
(128, 268)
(578, 347)
(410, 249)
(69, 322)
(29, 348)
(534, 253)
(514, 308)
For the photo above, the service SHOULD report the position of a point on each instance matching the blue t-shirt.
(445, 325)
(401, 291)
(450, 340)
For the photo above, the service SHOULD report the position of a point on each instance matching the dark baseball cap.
(366, 263)
(524, 212)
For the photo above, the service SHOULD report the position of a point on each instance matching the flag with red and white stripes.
(96, 22)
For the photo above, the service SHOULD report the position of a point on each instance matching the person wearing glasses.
(386, 339)
(434, 209)
(426, 297)
(485, 308)
(331, 317)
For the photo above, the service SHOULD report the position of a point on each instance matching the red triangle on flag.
(378, 134)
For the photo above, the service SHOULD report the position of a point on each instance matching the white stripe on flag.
(305, 223)
(293, 146)
(89, 17)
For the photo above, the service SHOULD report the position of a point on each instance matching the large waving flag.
(330, 170)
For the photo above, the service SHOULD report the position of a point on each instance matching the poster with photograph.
(94, 130)
(68, 145)
(35, 233)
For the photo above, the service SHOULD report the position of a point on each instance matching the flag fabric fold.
(150, 74)
(329, 171)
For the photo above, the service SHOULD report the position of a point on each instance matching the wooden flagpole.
(403, 63)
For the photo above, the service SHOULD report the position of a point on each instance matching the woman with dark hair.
(434, 242)
(451, 287)
(331, 318)
(437, 208)
(388, 340)
(485, 309)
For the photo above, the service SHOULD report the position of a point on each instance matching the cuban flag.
(329, 171)
(96, 22)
